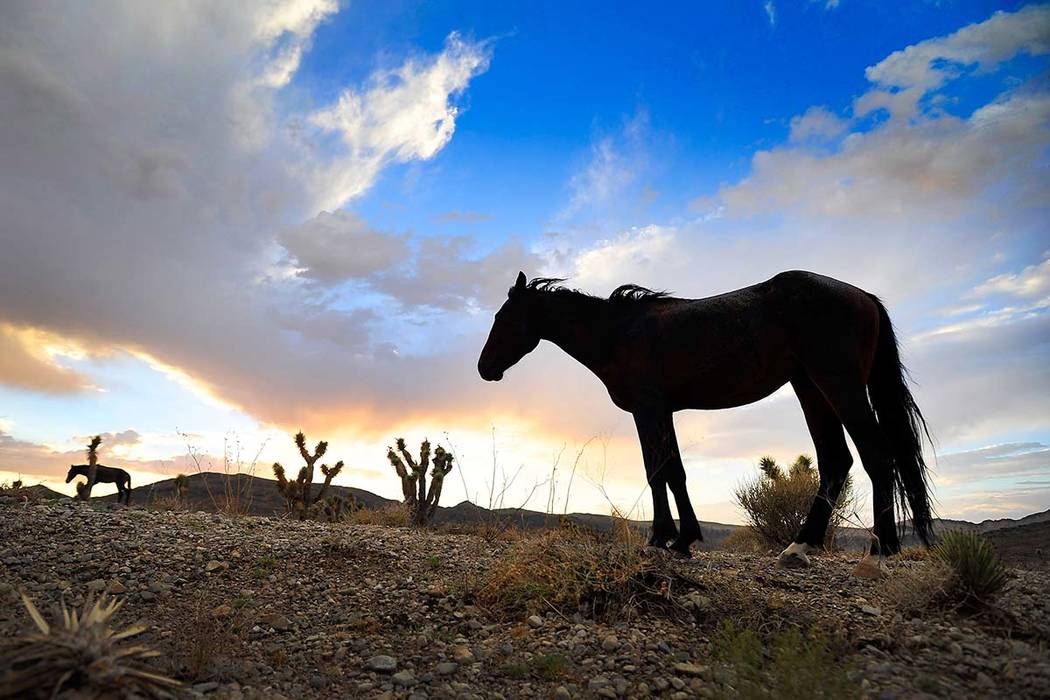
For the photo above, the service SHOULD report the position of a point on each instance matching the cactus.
(84, 491)
(182, 485)
(421, 502)
(336, 508)
(298, 493)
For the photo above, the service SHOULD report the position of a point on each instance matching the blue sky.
(303, 214)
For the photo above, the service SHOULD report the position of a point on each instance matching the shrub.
(298, 493)
(977, 571)
(787, 665)
(599, 575)
(776, 503)
(745, 540)
(390, 515)
(81, 653)
(420, 501)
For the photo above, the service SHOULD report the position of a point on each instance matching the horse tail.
(902, 427)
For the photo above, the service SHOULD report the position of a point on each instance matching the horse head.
(513, 334)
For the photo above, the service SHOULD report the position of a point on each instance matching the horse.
(657, 354)
(105, 475)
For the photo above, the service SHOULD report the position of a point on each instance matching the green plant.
(777, 502)
(977, 571)
(337, 508)
(298, 493)
(81, 653)
(547, 667)
(420, 501)
(788, 664)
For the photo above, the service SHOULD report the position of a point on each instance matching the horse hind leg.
(852, 406)
(833, 464)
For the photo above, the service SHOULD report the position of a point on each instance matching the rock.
(275, 620)
(205, 687)
(871, 610)
(446, 668)
(116, 587)
(96, 586)
(610, 643)
(381, 663)
(535, 621)
(215, 565)
(597, 683)
(687, 669)
(404, 678)
(222, 611)
(462, 654)
(561, 693)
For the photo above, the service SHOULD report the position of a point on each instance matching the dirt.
(268, 608)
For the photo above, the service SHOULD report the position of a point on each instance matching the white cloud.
(771, 12)
(1032, 281)
(817, 123)
(905, 76)
(405, 114)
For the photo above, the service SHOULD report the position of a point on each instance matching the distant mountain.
(260, 497)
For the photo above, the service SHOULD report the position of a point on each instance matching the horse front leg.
(664, 529)
(689, 527)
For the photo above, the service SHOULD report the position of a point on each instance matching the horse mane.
(624, 294)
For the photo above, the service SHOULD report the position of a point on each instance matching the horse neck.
(579, 325)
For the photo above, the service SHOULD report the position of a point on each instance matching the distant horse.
(105, 475)
(657, 354)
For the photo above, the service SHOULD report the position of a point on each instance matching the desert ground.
(259, 607)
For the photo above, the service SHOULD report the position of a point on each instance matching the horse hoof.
(872, 567)
(681, 548)
(794, 557)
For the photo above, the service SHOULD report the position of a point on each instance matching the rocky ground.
(257, 607)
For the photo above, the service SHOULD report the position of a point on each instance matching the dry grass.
(491, 531)
(80, 653)
(600, 575)
(744, 540)
(393, 515)
(919, 587)
(205, 644)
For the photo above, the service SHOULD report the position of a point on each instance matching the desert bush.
(236, 497)
(600, 575)
(977, 571)
(421, 502)
(786, 665)
(182, 487)
(80, 653)
(390, 515)
(298, 493)
(745, 540)
(776, 503)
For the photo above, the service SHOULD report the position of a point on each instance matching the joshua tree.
(298, 493)
(182, 485)
(84, 491)
(421, 502)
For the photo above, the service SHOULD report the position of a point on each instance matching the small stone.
(222, 611)
(871, 610)
(606, 693)
(535, 621)
(687, 669)
(561, 693)
(213, 565)
(382, 663)
(462, 654)
(597, 683)
(147, 595)
(276, 620)
(610, 643)
(115, 587)
(405, 677)
(205, 687)
(96, 586)
(955, 649)
(446, 668)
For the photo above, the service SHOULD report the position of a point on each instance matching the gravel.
(309, 610)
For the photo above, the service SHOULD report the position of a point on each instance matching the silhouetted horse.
(105, 475)
(657, 355)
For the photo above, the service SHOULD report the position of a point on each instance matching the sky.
(222, 223)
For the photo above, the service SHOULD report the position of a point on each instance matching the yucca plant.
(298, 492)
(421, 501)
(978, 571)
(81, 654)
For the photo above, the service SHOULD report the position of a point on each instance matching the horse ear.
(520, 282)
